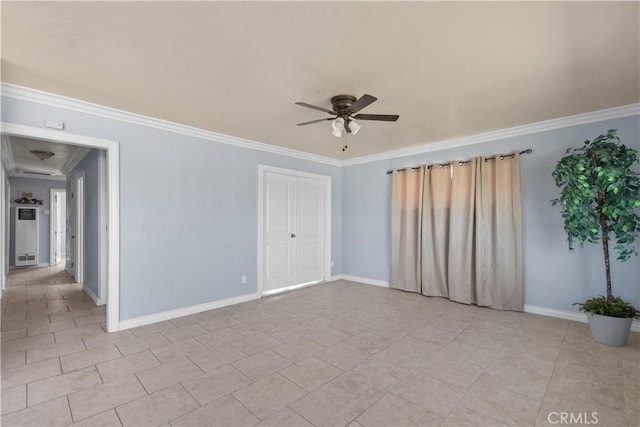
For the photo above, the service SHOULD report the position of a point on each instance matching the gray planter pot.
(612, 331)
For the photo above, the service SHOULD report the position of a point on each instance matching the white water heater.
(26, 236)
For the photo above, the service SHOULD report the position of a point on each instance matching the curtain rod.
(502, 156)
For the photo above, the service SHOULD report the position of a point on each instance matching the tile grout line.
(457, 405)
(135, 374)
(70, 412)
(299, 414)
(555, 365)
(118, 416)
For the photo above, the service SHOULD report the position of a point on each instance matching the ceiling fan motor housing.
(342, 103)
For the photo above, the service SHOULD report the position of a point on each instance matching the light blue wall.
(189, 213)
(89, 166)
(554, 276)
(42, 189)
(188, 210)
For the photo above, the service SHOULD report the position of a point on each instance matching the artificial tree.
(600, 196)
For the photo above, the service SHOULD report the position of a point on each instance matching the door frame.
(103, 227)
(53, 219)
(326, 180)
(72, 231)
(112, 149)
(78, 223)
(4, 226)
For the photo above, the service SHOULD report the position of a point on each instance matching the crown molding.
(22, 93)
(7, 159)
(75, 158)
(562, 122)
(44, 98)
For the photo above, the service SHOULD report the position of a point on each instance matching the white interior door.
(4, 230)
(294, 221)
(79, 262)
(57, 225)
(72, 215)
(76, 228)
(53, 225)
(61, 237)
(309, 230)
(278, 223)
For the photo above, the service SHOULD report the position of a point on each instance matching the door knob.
(293, 235)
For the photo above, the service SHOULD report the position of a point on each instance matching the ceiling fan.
(344, 109)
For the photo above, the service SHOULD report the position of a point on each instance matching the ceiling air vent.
(37, 173)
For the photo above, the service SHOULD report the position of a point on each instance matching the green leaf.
(599, 182)
(617, 307)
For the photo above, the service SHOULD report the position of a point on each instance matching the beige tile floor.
(330, 355)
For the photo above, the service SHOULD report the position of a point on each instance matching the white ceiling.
(23, 163)
(449, 69)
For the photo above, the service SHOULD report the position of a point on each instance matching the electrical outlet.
(244, 279)
(54, 125)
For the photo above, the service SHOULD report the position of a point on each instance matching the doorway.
(58, 227)
(109, 245)
(294, 229)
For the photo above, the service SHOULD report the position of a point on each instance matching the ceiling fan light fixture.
(337, 127)
(338, 124)
(354, 126)
(42, 155)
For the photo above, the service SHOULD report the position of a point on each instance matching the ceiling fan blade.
(304, 104)
(315, 121)
(362, 102)
(381, 117)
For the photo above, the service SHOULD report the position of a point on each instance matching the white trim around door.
(103, 227)
(4, 226)
(54, 220)
(112, 149)
(262, 171)
(77, 237)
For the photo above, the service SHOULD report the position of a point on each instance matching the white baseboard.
(553, 312)
(334, 278)
(94, 297)
(365, 280)
(567, 315)
(533, 309)
(185, 311)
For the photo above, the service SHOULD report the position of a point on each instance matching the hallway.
(45, 315)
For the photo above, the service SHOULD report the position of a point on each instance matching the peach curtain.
(457, 232)
(406, 210)
(499, 233)
(461, 255)
(436, 211)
